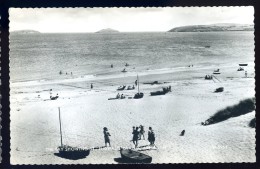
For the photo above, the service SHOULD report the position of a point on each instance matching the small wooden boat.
(138, 95)
(130, 88)
(216, 73)
(157, 93)
(243, 64)
(132, 156)
(70, 152)
(121, 88)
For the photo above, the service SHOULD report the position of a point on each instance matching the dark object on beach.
(126, 64)
(124, 70)
(182, 133)
(163, 92)
(207, 46)
(216, 71)
(60, 72)
(208, 77)
(121, 87)
(73, 153)
(112, 66)
(157, 93)
(240, 69)
(91, 86)
(138, 95)
(252, 123)
(132, 156)
(152, 83)
(131, 88)
(243, 64)
(55, 97)
(220, 89)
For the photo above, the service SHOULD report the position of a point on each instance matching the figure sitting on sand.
(141, 133)
(151, 136)
(122, 96)
(106, 136)
(118, 96)
(135, 136)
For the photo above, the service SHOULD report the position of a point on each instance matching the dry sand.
(84, 113)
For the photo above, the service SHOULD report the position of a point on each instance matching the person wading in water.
(106, 136)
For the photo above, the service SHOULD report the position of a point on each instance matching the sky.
(77, 20)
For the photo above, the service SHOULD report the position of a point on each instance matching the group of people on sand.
(118, 96)
(138, 134)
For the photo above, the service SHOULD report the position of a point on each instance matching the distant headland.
(25, 32)
(107, 31)
(214, 28)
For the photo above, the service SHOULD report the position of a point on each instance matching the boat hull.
(243, 64)
(132, 156)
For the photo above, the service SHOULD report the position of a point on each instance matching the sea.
(44, 56)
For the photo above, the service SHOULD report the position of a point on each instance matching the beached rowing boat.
(134, 156)
(243, 64)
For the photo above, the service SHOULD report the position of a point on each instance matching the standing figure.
(106, 136)
(91, 86)
(135, 136)
(245, 73)
(136, 82)
(141, 132)
(151, 136)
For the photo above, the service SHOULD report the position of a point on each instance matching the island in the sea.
(214, 28)
(107, 31)
(25, 32)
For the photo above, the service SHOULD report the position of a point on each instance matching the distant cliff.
(25, 32)
(214, 28)
(108, 30)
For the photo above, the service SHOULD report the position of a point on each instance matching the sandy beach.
(85, 111)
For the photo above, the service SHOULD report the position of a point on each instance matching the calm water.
(43, 56)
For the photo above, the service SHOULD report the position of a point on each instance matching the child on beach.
(106, 136)
(151, 136)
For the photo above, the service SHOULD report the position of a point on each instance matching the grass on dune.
(243, 107)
